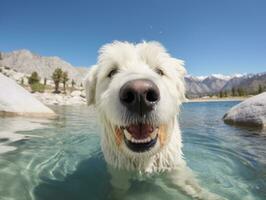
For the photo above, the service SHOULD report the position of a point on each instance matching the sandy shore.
(218, 99)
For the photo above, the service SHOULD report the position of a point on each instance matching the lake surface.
(61, 159)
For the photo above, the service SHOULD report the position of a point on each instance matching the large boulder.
(15, 100)
(250, 113)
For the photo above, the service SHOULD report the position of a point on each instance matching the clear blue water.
(61, 159)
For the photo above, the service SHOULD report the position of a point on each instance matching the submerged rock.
(15, 100)
(250, 113)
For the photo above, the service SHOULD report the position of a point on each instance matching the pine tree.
(225, 94)
(73, 83)
(233, 91)
(241, 92)
(64, 80)
(260, 90)
(57, 77)
(221, 94)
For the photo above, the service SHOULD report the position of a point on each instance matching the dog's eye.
(112, 73)
(159, 71)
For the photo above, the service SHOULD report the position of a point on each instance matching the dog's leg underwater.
(120, 182)
(183, 178)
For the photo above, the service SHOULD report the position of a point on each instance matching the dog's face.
(137, 90)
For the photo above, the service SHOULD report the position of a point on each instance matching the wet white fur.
(135, 61)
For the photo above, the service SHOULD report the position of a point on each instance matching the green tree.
(73, 83)
(233, 91)
(260, 90)
(34, 78)
(241, 92)
(64, 80)
(221, 94)
(57, 77)
(225, 94)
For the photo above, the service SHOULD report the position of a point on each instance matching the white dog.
(137, 91)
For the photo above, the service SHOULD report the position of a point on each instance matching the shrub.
(34, 78)
(37, 87)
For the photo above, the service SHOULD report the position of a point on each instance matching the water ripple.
(62, 158)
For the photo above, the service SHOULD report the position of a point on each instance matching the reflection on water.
(61, 159)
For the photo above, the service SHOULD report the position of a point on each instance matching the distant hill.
(25, 61)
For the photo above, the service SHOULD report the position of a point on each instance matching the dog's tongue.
(140, 131)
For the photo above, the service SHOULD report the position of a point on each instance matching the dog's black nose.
(139, 96)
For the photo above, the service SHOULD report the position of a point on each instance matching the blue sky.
(212, 36)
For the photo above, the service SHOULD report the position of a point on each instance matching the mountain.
(195, 87)
(213, 84)
(26, 62)
(248, 82)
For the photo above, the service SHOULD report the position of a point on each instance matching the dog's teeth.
(127, 134)
(154, 134)
(145, 140)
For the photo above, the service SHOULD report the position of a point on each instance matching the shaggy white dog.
(137, 91)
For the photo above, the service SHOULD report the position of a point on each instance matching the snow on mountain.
(220, 76)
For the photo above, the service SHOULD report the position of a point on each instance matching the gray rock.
(15, 100)
(250, 113)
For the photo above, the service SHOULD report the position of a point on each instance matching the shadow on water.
(89, 181)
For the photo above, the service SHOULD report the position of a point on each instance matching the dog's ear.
(90, 84)
(179, 64)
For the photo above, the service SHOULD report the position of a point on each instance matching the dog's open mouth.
(140, 137)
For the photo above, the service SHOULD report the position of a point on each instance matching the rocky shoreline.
(73, 96)
(76, 97)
